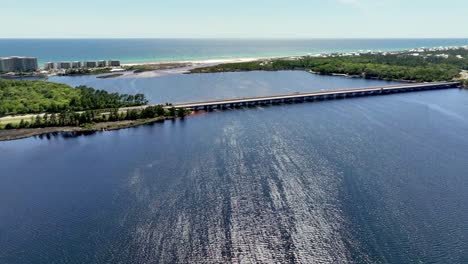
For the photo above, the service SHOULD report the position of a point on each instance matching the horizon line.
(236, 38)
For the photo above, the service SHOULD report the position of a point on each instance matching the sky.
(234, 19)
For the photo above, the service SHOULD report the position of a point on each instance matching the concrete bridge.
(280, 99)
(314, 96)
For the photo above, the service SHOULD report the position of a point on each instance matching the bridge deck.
(344, 92)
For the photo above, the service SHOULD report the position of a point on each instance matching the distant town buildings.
(76, 64)
(422, 52)
(89, 64)
(101, 64)
(65, 65)
(18, 64)
(113, 63)
(49, 66)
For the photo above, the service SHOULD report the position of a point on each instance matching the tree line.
(26, 97)
(427, 66)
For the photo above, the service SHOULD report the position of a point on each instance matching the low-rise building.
(113, 63)
(64, 65)
(89, 64)
(49, 66)
(101, 64)
(18, 64)
(81, 65)
(76, 64)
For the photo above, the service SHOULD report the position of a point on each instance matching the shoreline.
(202, 61)
(162, 68)
(185, 66)
(290, 56)
(312, 54)
(159, 68)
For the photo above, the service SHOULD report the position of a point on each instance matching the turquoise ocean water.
(148, 50)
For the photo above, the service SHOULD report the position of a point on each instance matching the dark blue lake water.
(366, 180)
(175, 88)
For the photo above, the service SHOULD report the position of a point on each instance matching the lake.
(176, 88)
(365, 180)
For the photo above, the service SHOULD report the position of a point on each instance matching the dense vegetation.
(26, 97)
(403, 66)
(87, 118)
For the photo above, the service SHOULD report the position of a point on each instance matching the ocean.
(152, 50)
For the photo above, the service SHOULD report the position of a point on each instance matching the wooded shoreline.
(14, 134)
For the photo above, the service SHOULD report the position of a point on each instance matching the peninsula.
(416, 65)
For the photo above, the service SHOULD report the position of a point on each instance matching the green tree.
(182, 112)
(45, 118)
(160, 110)
(53, 119)
(28, 97)
(23, 124)
(9, 126)
(37, 121)
(172, 111)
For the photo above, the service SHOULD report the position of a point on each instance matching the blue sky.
(234, 18)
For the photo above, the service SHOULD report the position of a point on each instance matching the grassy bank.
(19, 133)
(89, 118)
(85, 122)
